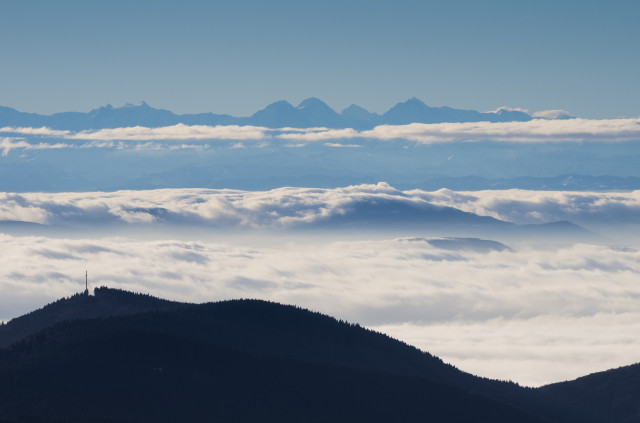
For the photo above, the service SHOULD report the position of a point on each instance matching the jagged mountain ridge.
(311, 112)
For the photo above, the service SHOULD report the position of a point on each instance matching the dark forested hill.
(140, 358)
(610, 396)
(106, 371)
(105, 302)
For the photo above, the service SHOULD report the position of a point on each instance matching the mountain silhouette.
(415, 111)
(319, 113)
(358, 116)
(393, 214)
(248, 360)
(311, 112)
(106, 302)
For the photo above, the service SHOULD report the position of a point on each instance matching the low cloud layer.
(535, 131)
(290, 207)
(529, 315)
(276, 209)
(175, 132)
(538, 130)
(529, 207)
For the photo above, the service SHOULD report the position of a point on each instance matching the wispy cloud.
(44, 131)
(338, 145)
(322, 135)
(552, 114)
(9, 144)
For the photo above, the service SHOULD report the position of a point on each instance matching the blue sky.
(237, 56)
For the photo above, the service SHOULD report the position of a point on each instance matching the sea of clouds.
(529, 312)
(532, 315)
(291, 207)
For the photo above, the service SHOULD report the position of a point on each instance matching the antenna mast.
(86, 283)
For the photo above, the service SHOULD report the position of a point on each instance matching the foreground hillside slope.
(103, 370)
(140, 358)
(610, 396)
(240, 360)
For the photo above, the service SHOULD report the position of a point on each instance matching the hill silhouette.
(141, 358)
(104, 371)
(105, 302)
(609, 396)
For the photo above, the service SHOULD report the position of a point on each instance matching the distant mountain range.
(312, 112)
(121, 357)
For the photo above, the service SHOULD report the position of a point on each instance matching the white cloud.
(291, 207)
(552, 114)
(301, 130)
(8, 144)
(527, 207)
(509, 109)
(328, 134)
(279, 208)
(531, 315)
(538, 130)
(43, 131)
(15, 208)
(175, 132)
(537, 350)
(338, 145)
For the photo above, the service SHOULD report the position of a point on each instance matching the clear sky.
(237, 56)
